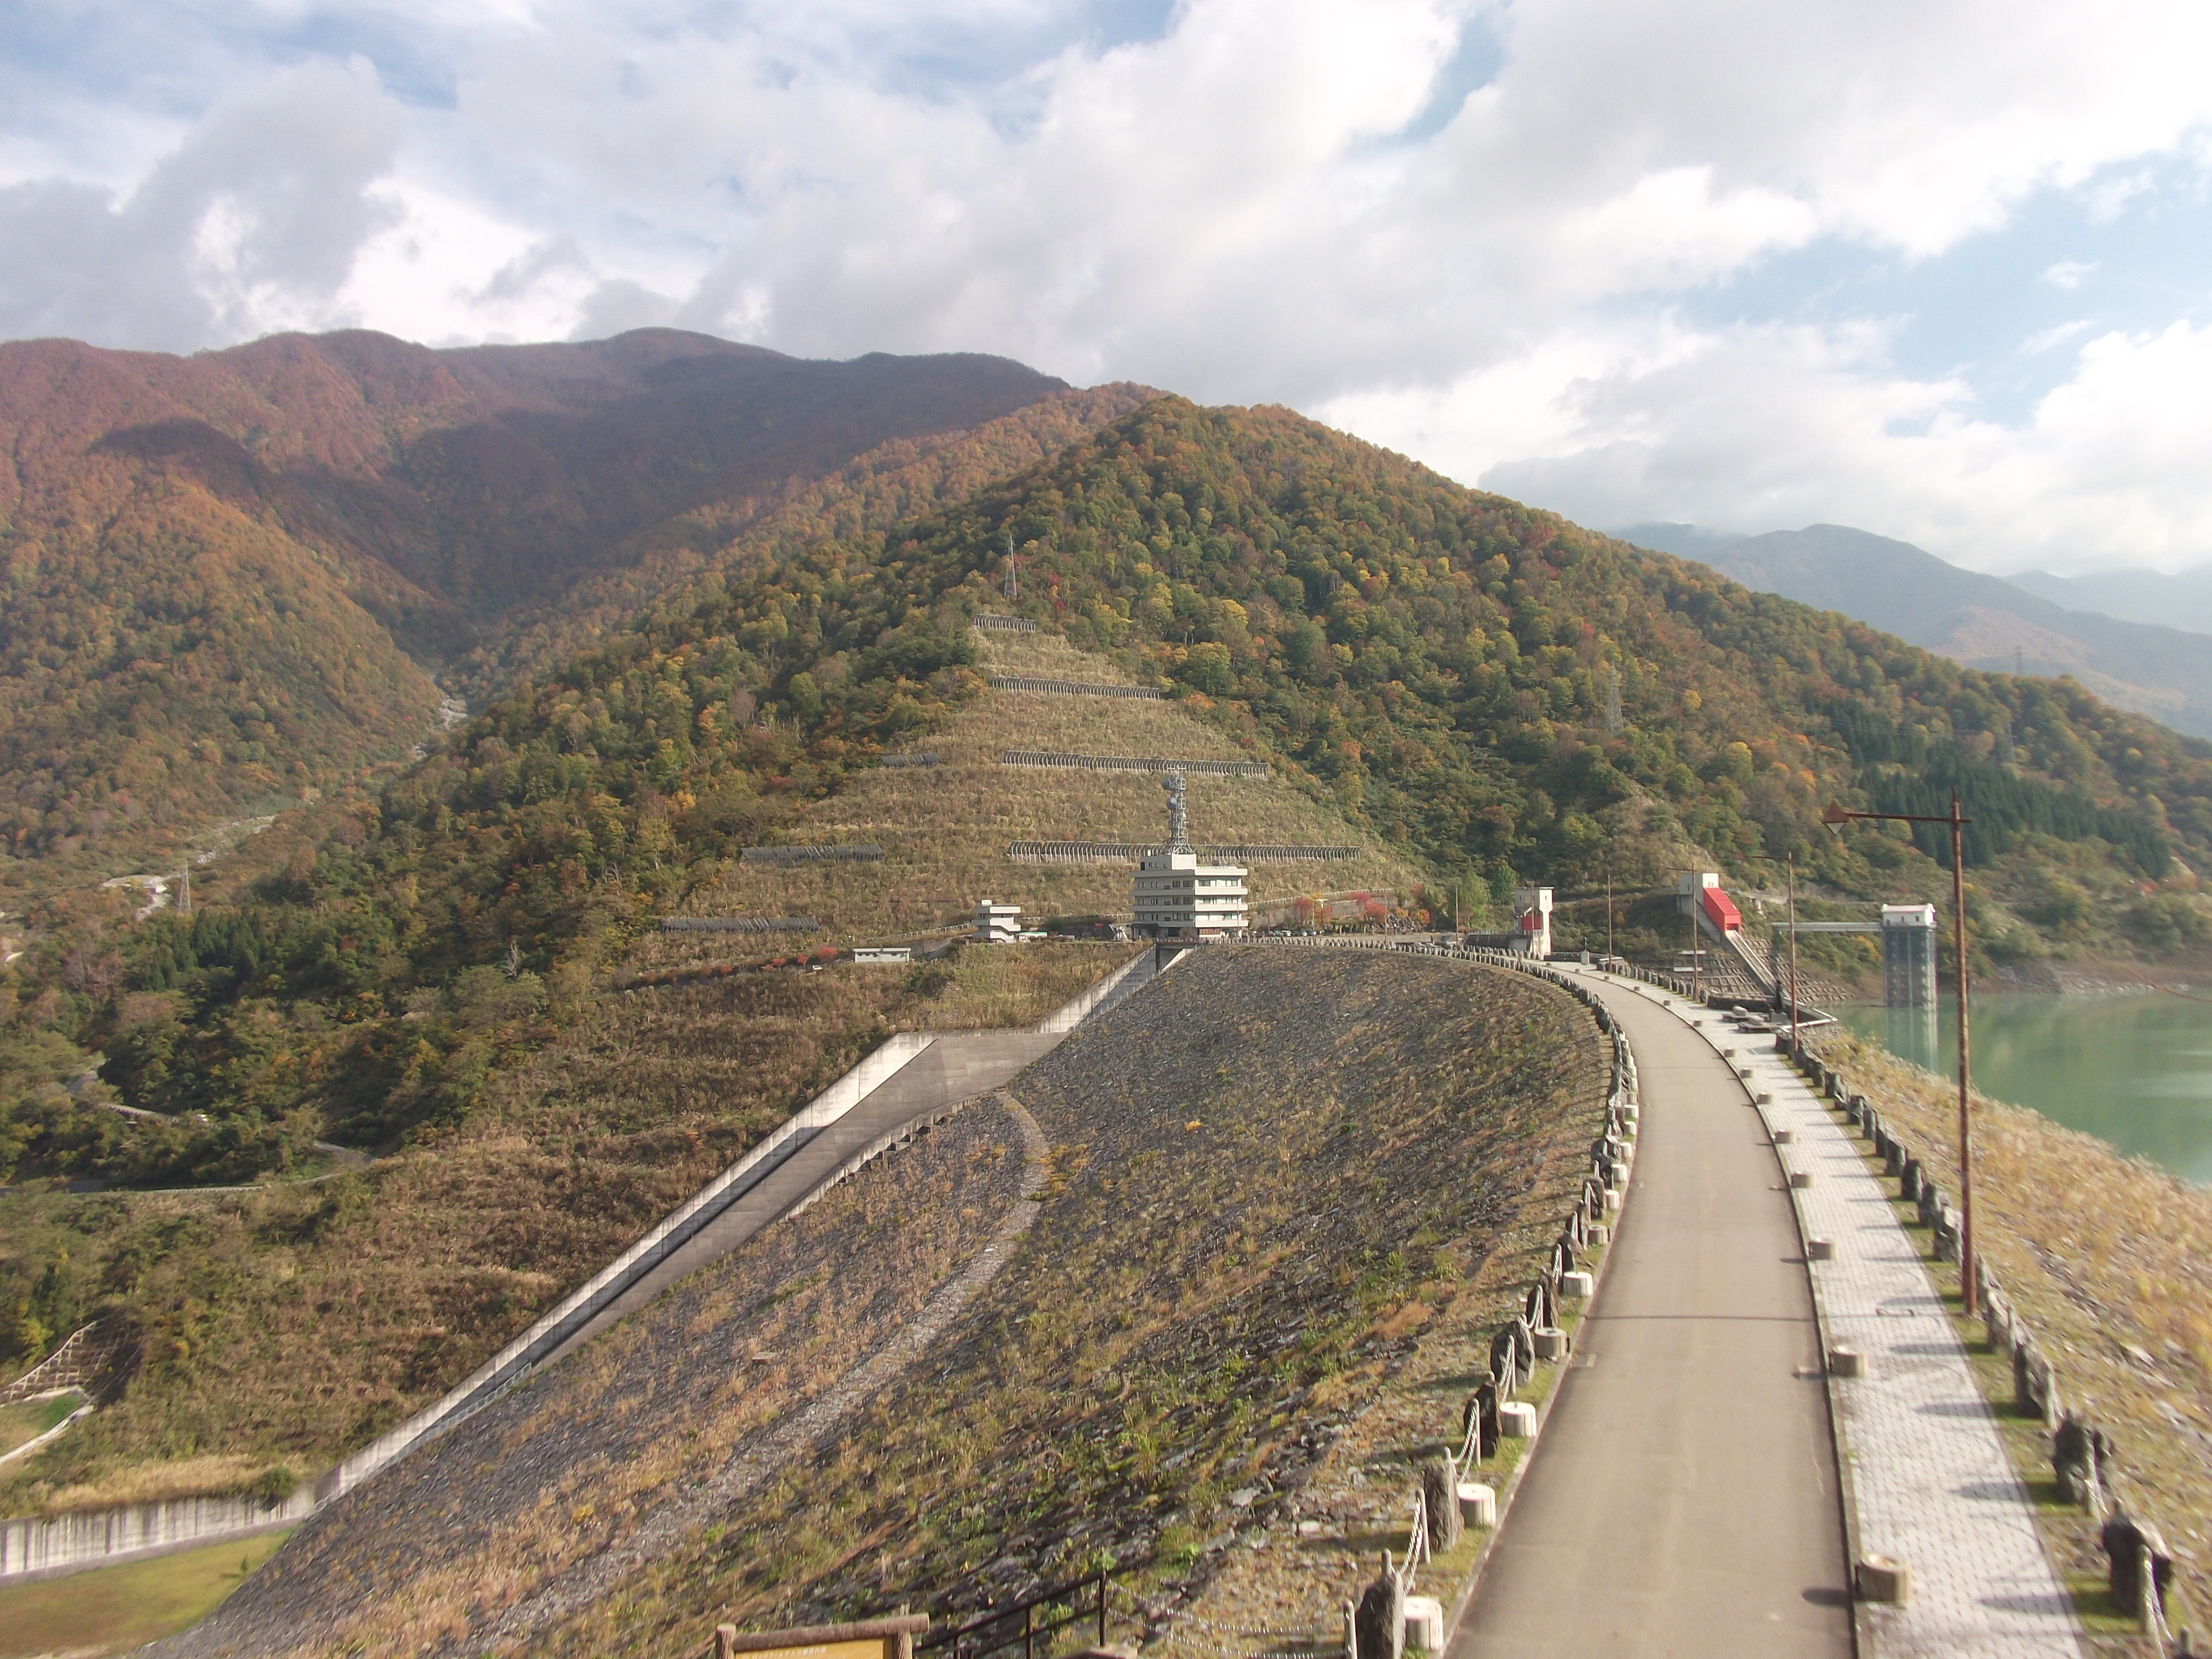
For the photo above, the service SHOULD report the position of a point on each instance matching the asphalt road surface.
(1682, 1499)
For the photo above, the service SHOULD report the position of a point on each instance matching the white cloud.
(2068, 274)
(251, 223)
(1773, 429)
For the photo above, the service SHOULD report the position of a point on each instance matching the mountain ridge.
(1985, 621)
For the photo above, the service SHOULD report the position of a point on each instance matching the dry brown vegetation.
(303, 1320)
(945, 828)
(1272, 1175)
(2104, 1256)
(575, 1462)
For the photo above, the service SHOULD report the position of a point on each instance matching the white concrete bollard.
(1517, 1420)
(1425, 1623)
(1847, 1362)
(1551, 1342)
(1819, 1249)
(1743, 1072)
(1575, 1285)
(1613, 1200)
(1478, 1503)
(1800, 1179)
(1600, 1234)
(1784, 1137)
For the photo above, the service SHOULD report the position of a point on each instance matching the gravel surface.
(1272, 1173)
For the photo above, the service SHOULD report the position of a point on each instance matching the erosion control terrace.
(1255, 1184)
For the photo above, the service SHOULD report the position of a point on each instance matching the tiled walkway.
(1933, 1486)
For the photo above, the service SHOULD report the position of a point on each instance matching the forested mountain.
(1491, 691)
(231, 577)
(1491, 688)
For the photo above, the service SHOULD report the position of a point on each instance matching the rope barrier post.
(726, 1641)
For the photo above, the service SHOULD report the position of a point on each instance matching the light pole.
(1836, 817)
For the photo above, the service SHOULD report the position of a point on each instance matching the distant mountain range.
(2182, 599)
(2031, 624)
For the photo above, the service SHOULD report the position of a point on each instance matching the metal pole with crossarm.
(1835, 818)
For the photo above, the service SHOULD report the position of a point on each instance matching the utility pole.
(1966, 1120)
(1794, 1050)
(1697, 952)
(1609, 957)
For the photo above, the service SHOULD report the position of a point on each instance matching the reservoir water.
(2135, 1071)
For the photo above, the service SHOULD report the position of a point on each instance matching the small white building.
(997, 923)
(1532, 918)
(883, 953)
(1176, 895)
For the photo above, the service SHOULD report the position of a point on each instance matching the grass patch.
(25, 1421)
(109, 1610)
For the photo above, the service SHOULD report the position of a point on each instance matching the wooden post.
(726, 1640)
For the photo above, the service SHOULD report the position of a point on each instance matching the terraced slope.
(945, 828)
(1268, 1174)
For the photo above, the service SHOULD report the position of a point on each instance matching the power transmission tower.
(1013, 577)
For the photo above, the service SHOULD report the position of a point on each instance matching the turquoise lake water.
(2133, 1070)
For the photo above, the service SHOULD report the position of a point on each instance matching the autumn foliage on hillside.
(1497, 691)
(230, 577)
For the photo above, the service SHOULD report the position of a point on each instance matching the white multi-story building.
(1176, 895)
(997, 923)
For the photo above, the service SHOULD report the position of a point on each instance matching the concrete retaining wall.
(517, 1357)
(38, 1548)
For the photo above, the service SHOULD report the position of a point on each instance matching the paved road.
(1682, 1499)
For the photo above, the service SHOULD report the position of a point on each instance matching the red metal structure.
(1720, 910)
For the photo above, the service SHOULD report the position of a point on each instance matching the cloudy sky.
(1935, 268)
